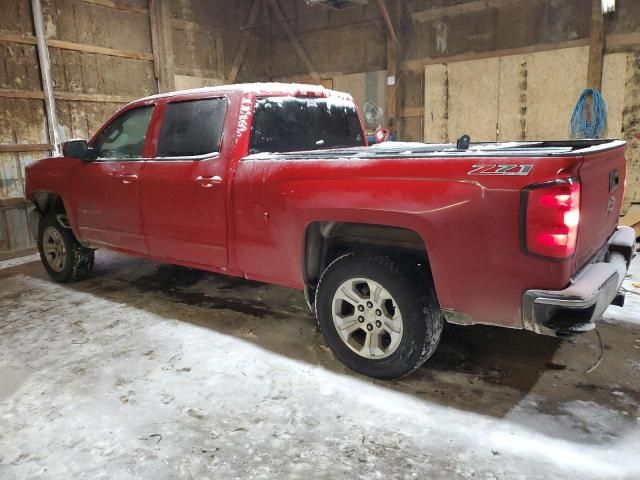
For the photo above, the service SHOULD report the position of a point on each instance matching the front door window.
(125, 136)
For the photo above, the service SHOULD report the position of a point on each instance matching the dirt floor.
(149, 370)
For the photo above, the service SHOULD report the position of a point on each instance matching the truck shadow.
(481, 369)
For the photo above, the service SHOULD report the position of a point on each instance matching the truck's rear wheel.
(64, 259)
(379, 319)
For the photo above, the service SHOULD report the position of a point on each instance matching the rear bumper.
(577, 307)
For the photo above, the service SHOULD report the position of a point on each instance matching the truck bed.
(481, 149)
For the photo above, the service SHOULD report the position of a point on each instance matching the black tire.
(78, 261)
(412, 291)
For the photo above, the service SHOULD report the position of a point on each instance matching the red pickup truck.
(275, 183)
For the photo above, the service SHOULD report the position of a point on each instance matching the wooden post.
(162, 45)
(45, 72)
(393, 66)
(244, 42)
(596, 46)
(295, 43)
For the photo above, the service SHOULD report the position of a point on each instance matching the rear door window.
(192, 128)
(289, 124)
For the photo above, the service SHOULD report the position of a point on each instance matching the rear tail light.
(551, 214)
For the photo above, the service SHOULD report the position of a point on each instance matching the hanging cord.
(600, 357)
(589, 124)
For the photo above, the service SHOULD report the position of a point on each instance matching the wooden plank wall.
(102, 57)
(466, 43)
(531, 97)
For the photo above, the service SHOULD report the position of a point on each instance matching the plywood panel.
(613, 77)
(631, 128)
(461, 98)
(523, 97)
(554, 82)
(538, 92)
(197, 50)
(512, 115)
(473, 99)
(436, 103)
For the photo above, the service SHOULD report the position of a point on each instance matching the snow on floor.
(103, 389)
(631, 311)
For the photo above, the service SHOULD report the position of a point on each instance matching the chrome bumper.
(592, 290)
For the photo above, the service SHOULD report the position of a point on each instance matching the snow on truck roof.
(271, 88)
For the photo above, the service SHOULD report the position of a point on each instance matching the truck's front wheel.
(379, 319)
(64, 259)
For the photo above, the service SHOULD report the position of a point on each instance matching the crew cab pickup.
(275, 183)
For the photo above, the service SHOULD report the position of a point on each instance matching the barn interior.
(147, 369)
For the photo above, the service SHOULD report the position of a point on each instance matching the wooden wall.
(506, 69)
(102, 57)
(103, 54)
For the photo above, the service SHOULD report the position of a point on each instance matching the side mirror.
(78, 149)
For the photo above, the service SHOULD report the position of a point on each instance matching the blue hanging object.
(583, 125)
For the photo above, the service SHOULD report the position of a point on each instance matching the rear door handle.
(208, 182)
(127, 177)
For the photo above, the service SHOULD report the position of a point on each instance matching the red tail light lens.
(551, 218)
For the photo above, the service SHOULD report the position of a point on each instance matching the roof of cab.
(273, 88)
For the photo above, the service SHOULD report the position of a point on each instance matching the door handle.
(127, 177)
(208, 182)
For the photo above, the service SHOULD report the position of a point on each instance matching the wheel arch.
(324, 241)
(46, 201)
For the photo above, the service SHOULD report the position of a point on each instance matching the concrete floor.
(149, 370)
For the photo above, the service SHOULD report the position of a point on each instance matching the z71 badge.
(486, 169)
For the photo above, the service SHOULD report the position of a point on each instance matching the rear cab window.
(289, 124)
(192, 128)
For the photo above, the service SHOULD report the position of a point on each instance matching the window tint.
(124, 137)
(192, 128)
(287, 124)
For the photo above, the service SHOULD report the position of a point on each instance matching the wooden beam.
(391, 31)
(24, 147)
(461, 9)
(393, 68)
(126, 7)
(14, 202)
(409, 112)
(155, 42)
(17, 38)
(45, 73)
(596, 46)
(632, 218)
(78, 47)
(244, 42)
(198, 72)
(92, 97)
(21, 94)
(419, 64)
(162, 41)
(295, 43)
(191, 26)
(66, 96)
(622, 40)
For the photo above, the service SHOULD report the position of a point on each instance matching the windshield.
(289, 124)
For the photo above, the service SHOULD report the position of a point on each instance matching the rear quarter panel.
(469, 223)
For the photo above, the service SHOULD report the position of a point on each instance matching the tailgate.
(602, 176)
